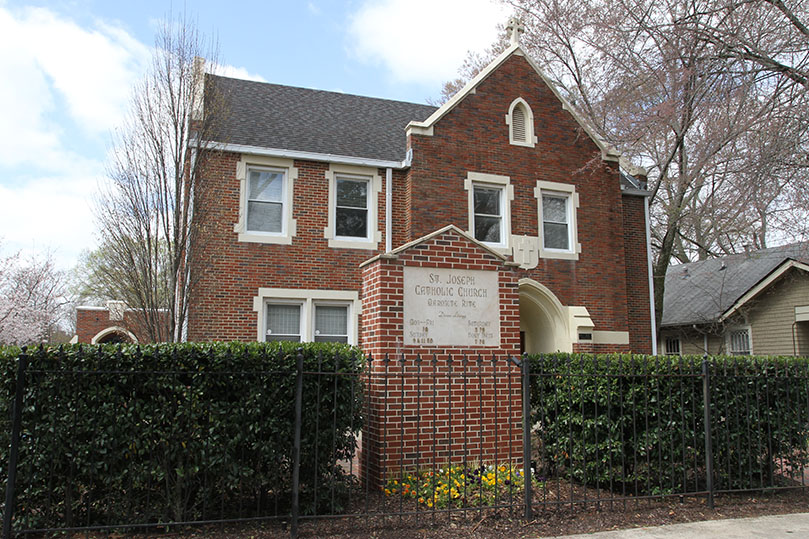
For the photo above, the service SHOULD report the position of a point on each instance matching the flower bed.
(459, 486)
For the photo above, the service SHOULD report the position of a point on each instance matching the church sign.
(451, 307)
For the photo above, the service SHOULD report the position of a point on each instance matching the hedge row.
(635, 424)
(162, 433)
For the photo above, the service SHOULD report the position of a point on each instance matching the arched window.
(520, 120)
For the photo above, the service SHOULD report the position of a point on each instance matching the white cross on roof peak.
(515, 28)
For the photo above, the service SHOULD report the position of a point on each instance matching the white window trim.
(288, 224)
(531, 139)
(307, 299)
(374, 188)
(564, 189)
(730, 330)
(498, 182)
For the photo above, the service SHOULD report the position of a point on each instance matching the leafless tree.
(147, 221)
(679, 88)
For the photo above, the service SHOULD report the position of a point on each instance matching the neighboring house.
(113, 323)
(751, 303)
(309, 184)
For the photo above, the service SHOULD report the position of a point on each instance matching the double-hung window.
(488, 214)
(331, 323)
(556, 221)
(283, 322)
(557, 204)
(490, 197)
(353, 195)
(265, 200)
(298, 315)
(266, 195)
(351, 211)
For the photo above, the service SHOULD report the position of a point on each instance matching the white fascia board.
(763, 285)
(309, 156)
(635, 192)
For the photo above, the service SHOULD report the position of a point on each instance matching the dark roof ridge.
(757, 254)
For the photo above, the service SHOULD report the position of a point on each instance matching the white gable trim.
(763, 285)
(608, 153)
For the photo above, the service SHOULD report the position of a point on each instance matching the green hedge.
(178, 432)
(634, 424)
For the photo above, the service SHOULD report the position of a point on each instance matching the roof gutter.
(310, 156)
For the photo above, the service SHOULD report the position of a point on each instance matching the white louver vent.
(518, 125)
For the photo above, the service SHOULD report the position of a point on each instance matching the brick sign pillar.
(440, 320)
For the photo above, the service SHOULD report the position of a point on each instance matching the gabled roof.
(426, 127)
(265, 115)
(711, 290)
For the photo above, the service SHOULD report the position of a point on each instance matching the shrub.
(177, 432)
(635, 424)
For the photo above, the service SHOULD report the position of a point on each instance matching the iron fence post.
(526, 434)
(16, 426)
(296, 445)
(706, 400)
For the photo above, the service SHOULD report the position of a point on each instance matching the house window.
(490, 198)
(520, 120)
(739, 342)
(555, 222)
(353, 195)
(288, 314)
(488, 215)
(283, 322)
(557, 205)
(265, 200)
(331, 323)
(351, 213)
(673, 346)
(266, 186)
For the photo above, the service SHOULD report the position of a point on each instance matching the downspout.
(651, 277)
(388, 209)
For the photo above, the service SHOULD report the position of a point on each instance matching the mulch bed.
(549, 521)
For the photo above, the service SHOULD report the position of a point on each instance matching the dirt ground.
(546, 522)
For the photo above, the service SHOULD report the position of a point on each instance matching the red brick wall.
(474, 137)
(637, 274)
(422, 411)
(91, 321)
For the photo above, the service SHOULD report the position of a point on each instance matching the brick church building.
(310, 184)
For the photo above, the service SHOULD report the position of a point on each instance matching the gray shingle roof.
(285, 117)
(701, 292)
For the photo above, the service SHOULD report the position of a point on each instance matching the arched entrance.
(543, 320)
(114, 335)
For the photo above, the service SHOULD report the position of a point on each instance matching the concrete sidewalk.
(772, 527)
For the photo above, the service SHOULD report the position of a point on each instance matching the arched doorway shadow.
(544, 326)
(114, 335)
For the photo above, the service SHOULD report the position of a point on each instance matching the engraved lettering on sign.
(444, 307)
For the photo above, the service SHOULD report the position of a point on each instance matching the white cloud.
(313, 8)
(236, 73)
(50, 212)
(424, 41)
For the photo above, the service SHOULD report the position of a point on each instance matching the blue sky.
(68, 66)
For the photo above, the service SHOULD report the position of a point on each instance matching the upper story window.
(520, 120)
(266, 195)
(265, 200)
(490, 198)
(351, 212)
(353, 196)
(488, 215)
(558, 237)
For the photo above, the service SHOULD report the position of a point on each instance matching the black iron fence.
(314, 435)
